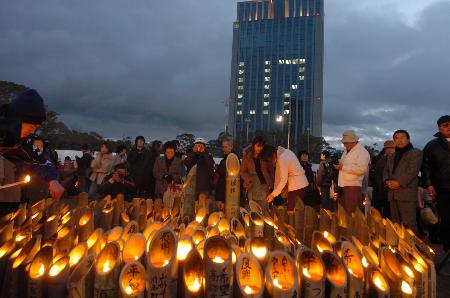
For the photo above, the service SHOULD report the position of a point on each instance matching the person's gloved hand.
(56, 190)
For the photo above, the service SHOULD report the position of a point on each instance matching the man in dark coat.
(84, 168)
(326, 174)
(205, 166)
(141, 167)
(436, 175)
(221, 171)
(401, 179)
(380, 194)
(116, 184)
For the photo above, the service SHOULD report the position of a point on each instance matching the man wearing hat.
(205, 167)
(436, 175)
(380, 195)
(29, 108)
(352, 168)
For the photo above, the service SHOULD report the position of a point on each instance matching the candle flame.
(84, 222)
(166, 262)
(350, 271)
(54, 270)
(248, 290)
(128, 290)
(377, 281)
(364, 262)
(408, 271)
(418, 267)
(276, 283)
(73, 261)
(306, 272)
(106, 267)
(136, 258)
(319, 248)
(199, 218)
(325, 234)
(406, 288)
(195, 286)
(218, 260)
(41, 270)
(259, 252)
(19, 237)
(27, 179)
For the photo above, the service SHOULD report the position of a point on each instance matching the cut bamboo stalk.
(6, 232)
(5, 252)
(82, 200)
(311, 223)
(85, 224)
(218, 268)
(258, 248)
(57, 277)
(114, 235)
(320, 243)
(77, 254)
(249, 276)
(193, 275)
(107, 270)
(376, 285)
(355, 269)
(391, 268)
(281, 275)
(51, 226)
(134, 248)
(256, 225)
(106, 217)
(311, 274)
(299, 223)
(155, 226)
(232, 186)
(131, 228)
(183, 248)
(132, 280)
(95, 242)
(81, 281)
(282, 242)
(65, 238)
(37, 281)
(336, 277)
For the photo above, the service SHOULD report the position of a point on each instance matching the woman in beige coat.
(101, 167)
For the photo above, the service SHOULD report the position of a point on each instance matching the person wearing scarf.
(401, 180)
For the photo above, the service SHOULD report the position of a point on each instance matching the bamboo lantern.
(95, 242)
(200, 215)
(9, 286)
(369, 257)
(299, 220)
(81, 281)
(142, 216)
(214, 218)
(37, 207)
(155, 226)
(224, 226)
(281, 275)
(282, 242)
(232, 186)
(85, 224)
(237, 228)
(82, 200)
(249, 276)
(218, 267)
(184, 246)
(131, 228)
(325, 220)
(68, 218)
(232, 239)
(77, 254)
(51, 226)
(20, 216)
(200, 247)
(430, 272)
(391, 268)
(392, 237)
(360, 229)
(193, 275)
(107, 270)
(336, 277)
(134, 248)
(256, 225)
(132, 280)
(6, 231)
(198, 235)
(5, 251)
(106, 217)
(311, 224)
(119, 206)
(320, 243)
(407, 290)
(343, 221)
(254, 206)
(22, 238)
(124, 218)
(161, 263)
(114, 235)
(353, 263)
(236, 252)
(311, 274)
(212, 231)
(421, 279)
(37, 273)
(58, 275)
(377, 285)
(259, 249)
(269, 230)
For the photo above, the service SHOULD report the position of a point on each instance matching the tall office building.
(277, 69)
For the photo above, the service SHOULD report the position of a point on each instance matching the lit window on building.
(294, 61)
(241, 63)
(288, 61)
(266, 87)
(238, 112)
(240, 80)
(294, 87)
(239, 103)
(280, 61)
(266, 95)
(240, 87)
(265, 112)
(241, 71)
(240, 95)
(252, 112)
(301, 78)
(266, 103)
(266, 70)
(286, 112)
(287, 94)
(301, 69)
(302, 61)
(267, 79)
(266, 62)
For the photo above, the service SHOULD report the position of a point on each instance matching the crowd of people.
(403, 179)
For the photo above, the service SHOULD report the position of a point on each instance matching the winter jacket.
(248, 169)
(140, 164)
(101, 166)
(406, 173)
(109, 187)
(160, 171)
(355, 165)
(84, 164)
(288, 171)
(205, 170)
(436, 163)
(325, 173)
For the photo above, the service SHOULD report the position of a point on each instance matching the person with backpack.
(326, 174)
(84, 170)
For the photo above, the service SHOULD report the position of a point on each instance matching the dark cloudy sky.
(161, 68)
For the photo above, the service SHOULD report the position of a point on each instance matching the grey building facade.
(277, 69)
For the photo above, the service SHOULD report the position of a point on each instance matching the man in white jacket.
(353, 165)
(289, 175)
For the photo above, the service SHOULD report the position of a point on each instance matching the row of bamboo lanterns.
(113, 248)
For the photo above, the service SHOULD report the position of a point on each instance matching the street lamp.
(280, 119)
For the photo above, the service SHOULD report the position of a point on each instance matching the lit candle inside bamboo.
(237, 228)
(50, 227)
(132, 280)
(353, 262)
(282, 241)
(200, 216)
(80, 283)
(106, 220)
(95, 242)
(311, 273)
(85, 224)
(249, 276)
(256, 225)
(107, 270)
(155, 226)
(58, 275)
(336, 277)
(134, 248)
(37, 271)
(281, 275)
(77, 254)
(391, 268)
(114, 234)
(198, 235)
(214, 218)
(193, 276)
(232, 186)
(407, 289)
(212, 231)
(259, 249)
(218, 260)
(320, 243)
(224, 227)
(183, 248)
